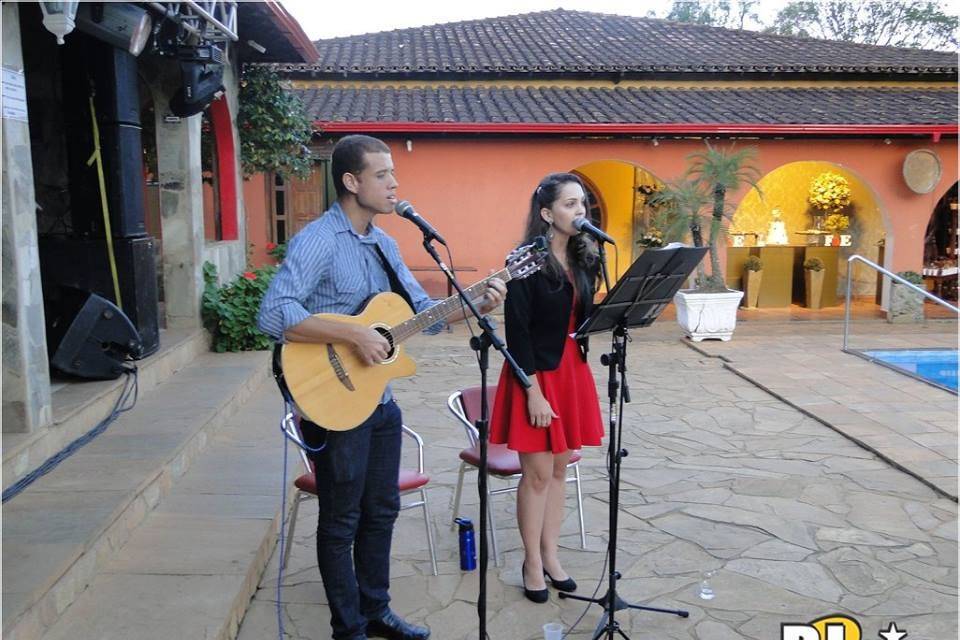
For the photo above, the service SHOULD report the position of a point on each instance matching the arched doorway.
(617, 193)
(787, 187)
(940, 247)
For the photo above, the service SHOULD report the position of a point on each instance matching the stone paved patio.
(797, 520)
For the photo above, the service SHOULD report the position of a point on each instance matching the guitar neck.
(443, 310)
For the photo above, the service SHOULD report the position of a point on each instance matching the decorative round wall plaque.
(921, 170)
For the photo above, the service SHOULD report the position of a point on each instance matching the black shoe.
(533, 595)
(567, 585)
(394, 627)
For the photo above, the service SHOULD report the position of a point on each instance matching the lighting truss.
(214, 21)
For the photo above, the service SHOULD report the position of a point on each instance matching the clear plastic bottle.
(705, 589)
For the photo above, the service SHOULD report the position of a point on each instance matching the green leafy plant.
(681, 203)
(753, 263)
(912, 277)
(229, 312)
(701, 195)
(813, 264)
(274, 127)
(719, 171)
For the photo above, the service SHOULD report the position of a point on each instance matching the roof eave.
(627, 128)
(293, 31)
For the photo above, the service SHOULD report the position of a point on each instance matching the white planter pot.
(707, 315)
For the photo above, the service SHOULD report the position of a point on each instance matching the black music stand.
(635, 301)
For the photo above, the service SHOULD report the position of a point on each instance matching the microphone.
(405, 210)
(584, 226)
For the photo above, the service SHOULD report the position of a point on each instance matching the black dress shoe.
(567, 585)
(394, 627)
(533, 595)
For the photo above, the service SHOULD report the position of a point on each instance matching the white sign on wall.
(14, 95)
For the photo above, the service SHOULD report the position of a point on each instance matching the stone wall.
(26, 377)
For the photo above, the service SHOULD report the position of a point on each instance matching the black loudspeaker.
(89, 337)
(111, 74)
(81, 263)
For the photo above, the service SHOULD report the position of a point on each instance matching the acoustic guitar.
(334, 388)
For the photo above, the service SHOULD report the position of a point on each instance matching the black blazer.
(536, 311)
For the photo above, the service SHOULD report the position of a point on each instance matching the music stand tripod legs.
(617, 389)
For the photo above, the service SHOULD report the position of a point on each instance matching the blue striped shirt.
(330, 268)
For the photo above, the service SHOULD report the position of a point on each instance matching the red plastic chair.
(502, 463)
(410, 481)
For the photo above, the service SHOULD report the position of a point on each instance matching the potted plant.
(906, 305)
(752, 274)
(813, 281)
(709, 310)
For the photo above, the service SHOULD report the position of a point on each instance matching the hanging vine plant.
(274, 127)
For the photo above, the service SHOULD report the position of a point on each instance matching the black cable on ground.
(123, 403)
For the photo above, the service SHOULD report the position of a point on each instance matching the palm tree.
(682, 203)
(717, 172)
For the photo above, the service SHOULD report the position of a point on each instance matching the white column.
(26, 375)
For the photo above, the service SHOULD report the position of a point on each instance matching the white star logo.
(892, 633)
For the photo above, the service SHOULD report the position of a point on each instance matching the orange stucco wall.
(476, 191)
(258, 229)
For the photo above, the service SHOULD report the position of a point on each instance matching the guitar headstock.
(527, 259)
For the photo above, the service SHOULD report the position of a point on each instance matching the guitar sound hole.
(389, 336)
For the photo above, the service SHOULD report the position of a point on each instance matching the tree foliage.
(915, 24)
(716, 13)
(906, 23)
(274, 127)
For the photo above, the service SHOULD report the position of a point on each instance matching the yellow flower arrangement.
(836, 222)
(829, 192)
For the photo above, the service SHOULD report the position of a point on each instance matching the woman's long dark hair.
(582, 254)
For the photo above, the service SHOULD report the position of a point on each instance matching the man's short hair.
(348, 157)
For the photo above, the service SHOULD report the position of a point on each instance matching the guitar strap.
(395, 284)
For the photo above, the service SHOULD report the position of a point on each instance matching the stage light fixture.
(122, 24)
(201, 71)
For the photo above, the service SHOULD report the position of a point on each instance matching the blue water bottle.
(468, 546)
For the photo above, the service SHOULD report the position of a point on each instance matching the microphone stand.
(481, 344)
(616, 363)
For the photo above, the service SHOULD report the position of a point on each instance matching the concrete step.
(78, 406)
(191, 569)
(62, 530)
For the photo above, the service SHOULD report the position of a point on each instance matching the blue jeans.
(359, 501)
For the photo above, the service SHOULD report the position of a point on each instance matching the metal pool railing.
(892, 276)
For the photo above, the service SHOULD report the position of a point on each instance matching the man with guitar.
(333, 266)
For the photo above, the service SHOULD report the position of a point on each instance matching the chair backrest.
(419, 442)
(465, 406)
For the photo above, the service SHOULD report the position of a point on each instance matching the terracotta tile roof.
(574, 42)
(634, 105)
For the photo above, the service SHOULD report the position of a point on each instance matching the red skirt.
(572, 395)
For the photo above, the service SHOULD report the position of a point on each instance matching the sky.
(332, 19)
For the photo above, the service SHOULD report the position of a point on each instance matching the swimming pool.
(936, 366)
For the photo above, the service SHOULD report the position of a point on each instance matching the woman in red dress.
(560, 412)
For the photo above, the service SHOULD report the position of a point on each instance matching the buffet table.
(782, 282)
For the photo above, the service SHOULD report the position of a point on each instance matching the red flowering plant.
(277, 251)
(229, 311)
